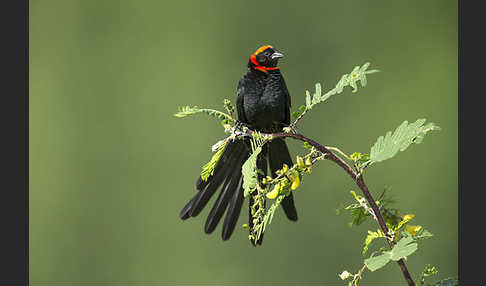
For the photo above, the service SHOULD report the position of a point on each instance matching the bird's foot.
(240, 126)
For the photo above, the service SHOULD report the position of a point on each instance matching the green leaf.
(187, 110)
(429, 127)
(302, 108)
(358, 74)
(227, 105)
(307, 145)
(342, 83)
(422, 234)
(249, 169)
(403, 248)
(354, 86)
(318, 92)
(271, 211)
(208, 168)
(295, 114)
(364, 67)
(377, 262)
(357, 212)
(429, 271)
(371, 71)
(388, 146)
(359, 215)
(371, 236)
(363, 80)
(308, 99)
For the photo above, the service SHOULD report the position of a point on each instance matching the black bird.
(263, 104)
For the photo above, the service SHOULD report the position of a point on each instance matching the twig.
(357, 177)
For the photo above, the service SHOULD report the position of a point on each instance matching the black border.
(14, 208)
(471, 144)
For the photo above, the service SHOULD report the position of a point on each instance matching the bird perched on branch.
(263, 104)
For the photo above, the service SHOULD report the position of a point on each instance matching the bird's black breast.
(263, 101)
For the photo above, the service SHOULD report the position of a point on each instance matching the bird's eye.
(261, 58)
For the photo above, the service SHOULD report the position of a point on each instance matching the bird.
(262, 104)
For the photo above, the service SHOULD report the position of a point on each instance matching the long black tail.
(278, 154)
(228, 173)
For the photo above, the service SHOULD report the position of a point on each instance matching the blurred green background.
(110, 167)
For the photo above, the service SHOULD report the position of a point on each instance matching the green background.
(110, 167)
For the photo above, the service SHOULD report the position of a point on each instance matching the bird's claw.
(239, 125)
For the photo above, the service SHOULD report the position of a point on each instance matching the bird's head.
(265, 59)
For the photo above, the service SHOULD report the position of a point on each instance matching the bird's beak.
(277, 55)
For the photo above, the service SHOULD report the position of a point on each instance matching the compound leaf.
(188, 110)
(403, 248)
(377, 262)
(388, 146)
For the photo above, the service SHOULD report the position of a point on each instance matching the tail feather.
(288, 206)
(233, 212)
(184, 214)
(208, 187)
(228, 190)
(278, 154)
(202, 198)
(231, 167)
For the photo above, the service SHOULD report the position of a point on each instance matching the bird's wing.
(288, 103)
(239, 101)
